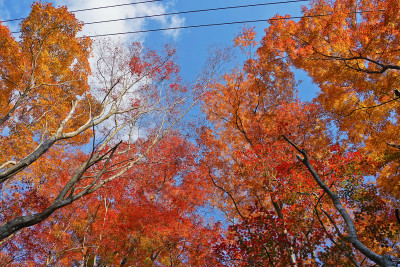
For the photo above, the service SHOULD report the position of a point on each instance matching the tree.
(350, 52)
(64, 138)
(146, 218)
(54, 123)
(349, 49)
(256, 119)
(245, 156)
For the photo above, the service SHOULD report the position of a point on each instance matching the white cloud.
(120, 26)
(176, 21)
(123, 12)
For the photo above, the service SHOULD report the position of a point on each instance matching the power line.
(192, 11)
(127, 4)
(184, 27)
(202, 10)
(94, 8)
(199, 10)
(224, 23)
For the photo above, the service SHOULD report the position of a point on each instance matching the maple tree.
(147, 218)
(349, 49)
(245, 156)
(257, 122)
(57, 128)
(68, 131)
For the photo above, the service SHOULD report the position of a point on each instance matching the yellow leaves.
(50, 43)
(9, 68)
(41, 75)
(58, 61)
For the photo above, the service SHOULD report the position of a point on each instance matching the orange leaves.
(152, 184)
(348, 49)
(52, 49)
(42, 74)
(145, 170)
(350, 54)
(245, 156)
(10, 63)
(246, 38)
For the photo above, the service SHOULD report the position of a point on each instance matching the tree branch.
(379, 259)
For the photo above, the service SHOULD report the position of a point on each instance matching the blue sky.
(192, 44)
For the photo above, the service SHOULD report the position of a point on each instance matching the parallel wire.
(199, 10)
(183, 12)
(181, 27)
(95, 8)
(194, 11)
(227, 23)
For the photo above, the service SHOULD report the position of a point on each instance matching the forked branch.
(352, 232)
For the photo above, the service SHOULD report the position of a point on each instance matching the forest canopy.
(97, 167)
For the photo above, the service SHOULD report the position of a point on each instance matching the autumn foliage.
(347, 48)
(104, 174)
(351, 54)
(63, 140)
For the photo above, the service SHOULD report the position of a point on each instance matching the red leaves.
(150, 212)
(263, 239)
(247, 161)
(152, 65)
(152, 186)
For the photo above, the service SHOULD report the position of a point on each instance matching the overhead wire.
(194, 11)
(118, 5)
(179, 12)
(199, 10)
(171, 13)
(180, 27)
(95, 8)
(225, 23)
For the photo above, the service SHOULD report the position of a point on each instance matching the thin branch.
(226, 192)
(8, 162)
(393, 145)
(353, 238)
(374, 106)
